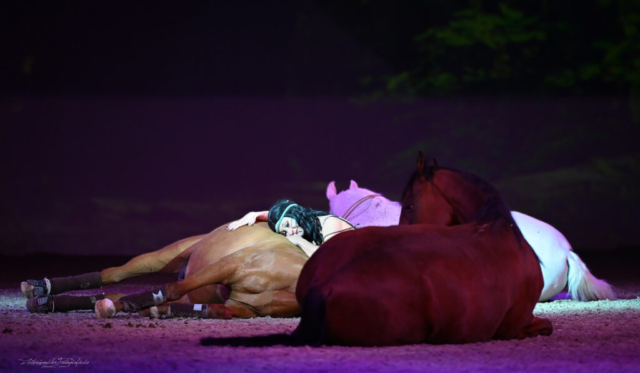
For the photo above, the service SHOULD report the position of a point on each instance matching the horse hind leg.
(200, 311)
(38, 288)
(583, 285)
(215, 273)
(64, 303)
(168, 259)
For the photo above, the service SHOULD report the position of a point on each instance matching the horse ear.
(353, 185)
(331, 190)
(421, 164)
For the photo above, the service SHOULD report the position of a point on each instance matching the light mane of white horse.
(558, 262)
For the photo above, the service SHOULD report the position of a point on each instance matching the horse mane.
(493, 209)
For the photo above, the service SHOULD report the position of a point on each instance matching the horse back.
(220, 243)
(411, 284)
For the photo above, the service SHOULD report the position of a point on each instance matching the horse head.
(444, 196)
(340, 202)
(362, 207)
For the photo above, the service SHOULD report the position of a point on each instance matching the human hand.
(248, 219)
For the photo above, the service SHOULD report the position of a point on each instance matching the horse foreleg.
(537, 326)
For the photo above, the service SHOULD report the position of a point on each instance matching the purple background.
(124, 128)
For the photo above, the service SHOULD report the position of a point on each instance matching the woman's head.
(287, 218)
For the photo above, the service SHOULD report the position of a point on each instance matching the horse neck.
(467, 202)
(477, 203)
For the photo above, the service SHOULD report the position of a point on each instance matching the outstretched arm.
(249, 219)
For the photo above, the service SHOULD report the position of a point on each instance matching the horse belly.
(405, 312)
(384, 301)
(371, 314)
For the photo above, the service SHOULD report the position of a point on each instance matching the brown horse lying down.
(457, 270)
(258, 268)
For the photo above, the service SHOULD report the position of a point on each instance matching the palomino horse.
(258, 267)
(456, 270)
(559, 263)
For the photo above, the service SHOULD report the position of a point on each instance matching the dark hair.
(307, 219)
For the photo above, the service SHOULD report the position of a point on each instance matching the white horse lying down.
(559, 263)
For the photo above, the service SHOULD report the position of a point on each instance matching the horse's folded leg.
(34, 288)
(200, 311)
(63, 303)
(188, 310)
(40, 304)
(154, 312)
(537, 326)
(145, 299)
(176, 310)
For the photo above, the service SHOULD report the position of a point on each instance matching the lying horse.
(559, 264)
(456, 270)
(243, 273)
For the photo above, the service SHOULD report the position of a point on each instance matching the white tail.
(583, 285)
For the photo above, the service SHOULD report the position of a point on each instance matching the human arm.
(249, 219)
(303, 244)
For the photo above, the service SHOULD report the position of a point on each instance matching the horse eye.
(409, 207)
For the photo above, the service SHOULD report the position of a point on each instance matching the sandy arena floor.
(601, 336)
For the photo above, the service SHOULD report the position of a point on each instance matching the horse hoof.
(35, 288)
(154, 313)
(26, 289)
(105, 309)
(41, 304)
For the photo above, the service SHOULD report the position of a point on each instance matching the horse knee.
(173, 291)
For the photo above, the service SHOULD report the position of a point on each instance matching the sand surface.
(602, 336)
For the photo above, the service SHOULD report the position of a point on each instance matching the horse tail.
(583, 285)
(312, 327)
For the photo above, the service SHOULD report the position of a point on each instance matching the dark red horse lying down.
(456, 270)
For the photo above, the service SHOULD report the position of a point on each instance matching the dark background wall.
(127, 125)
